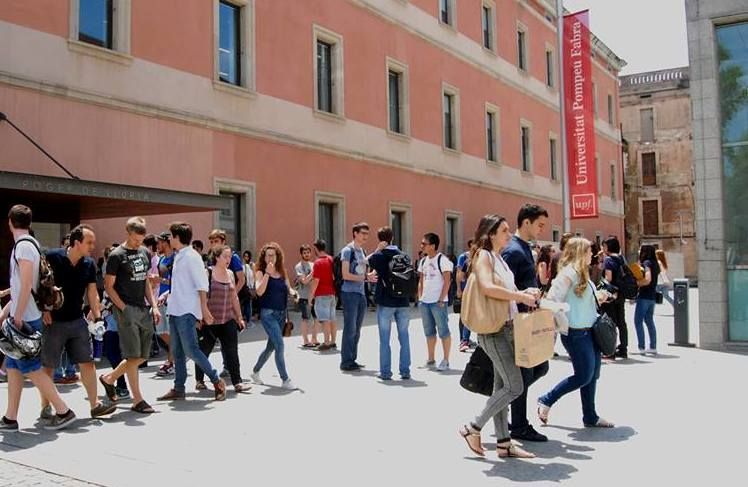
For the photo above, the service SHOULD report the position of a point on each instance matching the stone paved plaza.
(678, 416)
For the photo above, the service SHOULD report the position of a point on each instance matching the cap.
(166, 236)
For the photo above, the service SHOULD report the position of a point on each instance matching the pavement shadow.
(598, 435)
(406, 383)
(360, 373)
(279, 391)
(25, 439)
(517, 470)
(663, 356)
(128, 417)
(626, 361)
(191, 404)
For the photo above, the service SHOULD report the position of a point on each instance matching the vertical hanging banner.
(580, 120)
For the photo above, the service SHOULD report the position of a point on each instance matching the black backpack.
(625, 281)
(399, 282)
(337, 269)
(48, 296)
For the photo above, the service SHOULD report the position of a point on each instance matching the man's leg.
(48, 390)
(207, 342)
(180, 360)
(384, 323)
(305, 331)
(361, 313)
(350, 308)
(188, 337)
(15, 387)
(442, 323)
(429, 329)
(133, 377)
(402, 319)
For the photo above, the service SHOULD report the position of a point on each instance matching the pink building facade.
(310, 116)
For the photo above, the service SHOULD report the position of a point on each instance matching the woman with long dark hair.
(496, 281)
(543, 267)
(271, 283)
(646, 299)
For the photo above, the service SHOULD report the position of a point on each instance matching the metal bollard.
(681, 315)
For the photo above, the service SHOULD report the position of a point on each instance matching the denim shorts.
(26, 366)
(435, 318)
(163, 326)
(324, 307)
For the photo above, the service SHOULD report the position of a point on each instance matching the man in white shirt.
(188, 305)
(435, 276)
(24, 278)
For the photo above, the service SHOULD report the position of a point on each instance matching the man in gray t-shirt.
(303, 279)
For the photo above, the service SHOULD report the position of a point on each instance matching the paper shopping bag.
(534, 337)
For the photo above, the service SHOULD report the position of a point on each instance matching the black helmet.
(23, 344)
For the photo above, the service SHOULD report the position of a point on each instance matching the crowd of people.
(163, 285)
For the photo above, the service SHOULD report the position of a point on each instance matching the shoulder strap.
(23, 239)
(439, 262)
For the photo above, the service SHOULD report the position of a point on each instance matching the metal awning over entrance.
(71, 200)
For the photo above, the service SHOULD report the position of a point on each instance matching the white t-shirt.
(433, 280)
(24, 251)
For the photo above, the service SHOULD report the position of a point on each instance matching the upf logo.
(583, 205)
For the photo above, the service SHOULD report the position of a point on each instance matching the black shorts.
(304, 309)
(69, 336)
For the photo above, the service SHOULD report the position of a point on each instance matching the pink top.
(220, 301)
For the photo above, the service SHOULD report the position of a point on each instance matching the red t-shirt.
(323, 271)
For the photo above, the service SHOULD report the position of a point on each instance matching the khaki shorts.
(135, 325)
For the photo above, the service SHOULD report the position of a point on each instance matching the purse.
(659, 297)
(457, 305)
(604, 330)
(478, 374)
(479, 313)
(287, 326)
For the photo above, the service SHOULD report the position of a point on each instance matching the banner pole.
(562, 104)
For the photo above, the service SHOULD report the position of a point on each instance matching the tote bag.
(480, 313)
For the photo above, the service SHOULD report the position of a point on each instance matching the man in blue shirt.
(352, 295)
(531, 221)
(165, 264)
(390, 307)
(463, 262)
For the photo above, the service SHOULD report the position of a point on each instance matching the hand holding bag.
(604, 331)
(480, 313)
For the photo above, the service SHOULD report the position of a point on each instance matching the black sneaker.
(7, 425)
(102, 409)
(60, 422)
(529, 434)
(623, 354)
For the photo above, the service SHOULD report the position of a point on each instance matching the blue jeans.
(247, 311)
(385, 315)
(644, 312)
(184, 345)
(272, 320)
(354, 309)
(435, 319)
(585, 358)
(66, 368)
(464, 332)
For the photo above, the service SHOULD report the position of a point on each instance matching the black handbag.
(659, 297)
(604, 331)
(478, 374)
(457, 305)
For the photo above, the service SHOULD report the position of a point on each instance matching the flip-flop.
(143, 408)
(109, 389)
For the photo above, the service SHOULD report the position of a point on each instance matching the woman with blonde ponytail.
(573, 286)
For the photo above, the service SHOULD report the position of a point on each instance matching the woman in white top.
(574, 287)
(485, 260)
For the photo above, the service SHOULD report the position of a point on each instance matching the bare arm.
(261, 282)
(207, 316)
(483, 269)
(93, 301)
(26, 271)
(152, 301)
(647, 278)
(347, 276)
(236, 306)
(445, 287)
(420, 285)
(109, 281)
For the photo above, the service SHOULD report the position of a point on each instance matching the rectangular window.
(229, 43)
(324, 77)
(96, 22)
(650, 217)
(646, 124)
(594, 99)
(649, 169)
(550, 68)
(522, 50)
(231, 220)
(613, 181)
(445, 12)
(487, 22)
(556, 235)
(397, 219)
(452, 236)
(553, 150)
(450, 141)
(491, 136)
(611, 117)
(327, 222)
(395, 103)
(526, 149)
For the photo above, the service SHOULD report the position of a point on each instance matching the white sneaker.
(443, 366)
(255, 376)
(642, 351)
(651, 351)
(288, 385)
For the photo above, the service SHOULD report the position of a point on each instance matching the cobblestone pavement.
(17, 475)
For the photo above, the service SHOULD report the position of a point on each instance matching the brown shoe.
(172, 395)
(220, 390)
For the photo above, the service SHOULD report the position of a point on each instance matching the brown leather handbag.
(287, 326)
(482, 314)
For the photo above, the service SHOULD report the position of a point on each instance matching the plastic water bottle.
(97, 329)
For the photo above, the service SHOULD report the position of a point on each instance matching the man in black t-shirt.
(389, 308)
(66, 329)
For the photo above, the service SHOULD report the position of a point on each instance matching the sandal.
(601, 423)
(143, 408)
(512, 450)
(109, 389)
(543, 411)
(468, 433)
